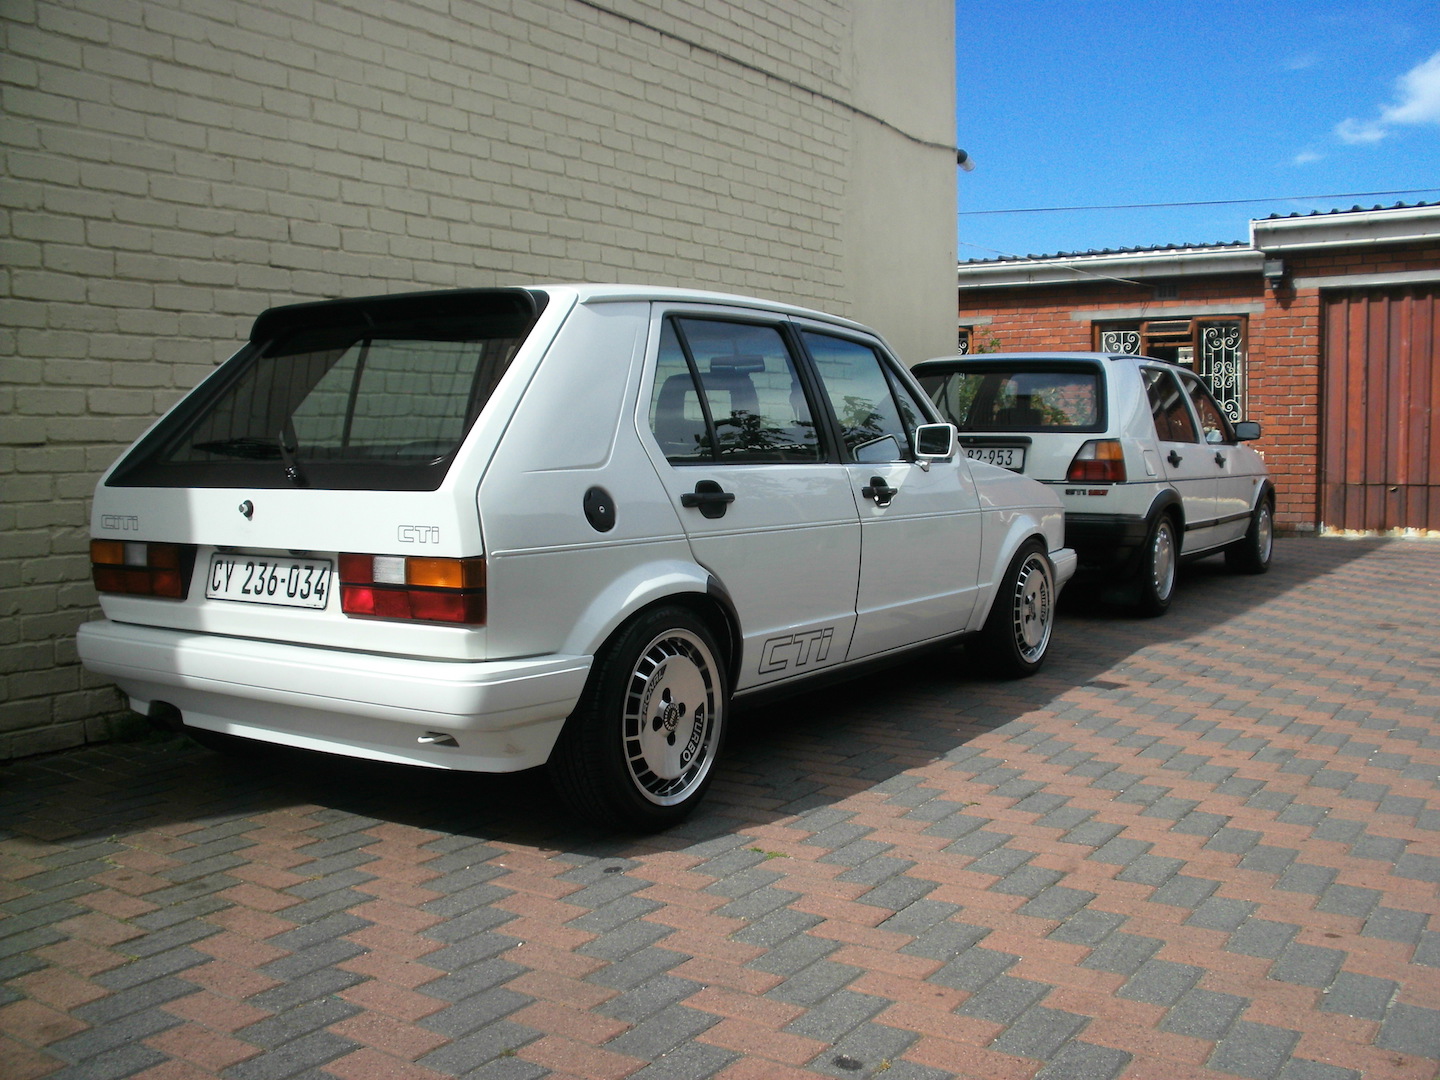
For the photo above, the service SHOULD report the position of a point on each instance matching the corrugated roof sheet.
(1112, 251)
(1353, 210)
(1192, 247)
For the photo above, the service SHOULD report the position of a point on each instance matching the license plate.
(1008, 457)
(260, 579)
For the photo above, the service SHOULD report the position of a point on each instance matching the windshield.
(349, 395)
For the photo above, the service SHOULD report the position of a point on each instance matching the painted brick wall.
(1284, 343)
(169, 169)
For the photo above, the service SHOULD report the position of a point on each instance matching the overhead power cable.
(1203, 202)
(746, 65)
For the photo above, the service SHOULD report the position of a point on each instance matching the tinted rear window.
(1018, 399)
(375, 393)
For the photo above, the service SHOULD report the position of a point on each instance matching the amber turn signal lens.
(445, 573)
(107, 552)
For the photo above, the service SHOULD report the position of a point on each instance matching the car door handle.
(878, 490)
(709, 497)
(1219, 459)
(1174, 458)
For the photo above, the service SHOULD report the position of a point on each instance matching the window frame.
(905, 398)
(671, 322)
(1155, 337)
(1169, 373)
(1198, 394)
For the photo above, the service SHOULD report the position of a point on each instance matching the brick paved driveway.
(1203, 846)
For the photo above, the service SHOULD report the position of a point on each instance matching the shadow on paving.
(769, 771)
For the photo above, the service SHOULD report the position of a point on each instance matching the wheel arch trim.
(1167, 502)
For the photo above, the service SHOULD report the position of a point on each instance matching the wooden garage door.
(1380, 459)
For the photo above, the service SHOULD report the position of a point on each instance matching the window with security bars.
(1214, 348)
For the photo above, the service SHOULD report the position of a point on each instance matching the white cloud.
(1353, 131)
(1420, 93)
(1307, 157)
(1419, 103)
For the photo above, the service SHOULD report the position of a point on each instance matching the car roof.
(580, 293)
(622, 293)
(987, 358)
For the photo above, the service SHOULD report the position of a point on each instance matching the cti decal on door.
(796, 650)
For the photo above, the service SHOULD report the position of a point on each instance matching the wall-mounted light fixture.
(964, 160)
(1274, 271)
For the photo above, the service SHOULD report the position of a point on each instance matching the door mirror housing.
(1246, 430)
(936, 442)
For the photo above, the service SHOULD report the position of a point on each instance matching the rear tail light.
(1099, 461)
(414, 588)
(139, 568)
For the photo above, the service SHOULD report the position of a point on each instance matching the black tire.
(1017, 632)
(639, 750)
(1159, 567)
(1251, 554)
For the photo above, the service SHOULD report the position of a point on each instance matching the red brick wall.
(1283, 347)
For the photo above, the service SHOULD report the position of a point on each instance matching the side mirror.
(936, 442)
(1246, 430)
(876, 451)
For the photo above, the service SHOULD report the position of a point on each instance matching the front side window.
(360, 394)
(1167, 406)
(728, 392)
(877, 416)
(1212, 421)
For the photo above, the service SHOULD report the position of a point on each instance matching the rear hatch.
(1033, 415)
(319, 487)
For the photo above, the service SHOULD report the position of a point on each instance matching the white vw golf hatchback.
(494, 529)
(1148, 466)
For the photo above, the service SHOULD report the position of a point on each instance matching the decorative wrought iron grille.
(1221, 365)
(1120, 341)
(1213, 348)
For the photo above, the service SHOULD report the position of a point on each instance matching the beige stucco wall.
(169, 168)
(897, 262)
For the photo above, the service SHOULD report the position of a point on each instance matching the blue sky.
(1106, 102)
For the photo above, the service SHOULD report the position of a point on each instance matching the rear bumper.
(1106, 542)
(501, 715)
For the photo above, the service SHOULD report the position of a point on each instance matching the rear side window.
(729, 392)
(359, 394)
(1017, 400)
